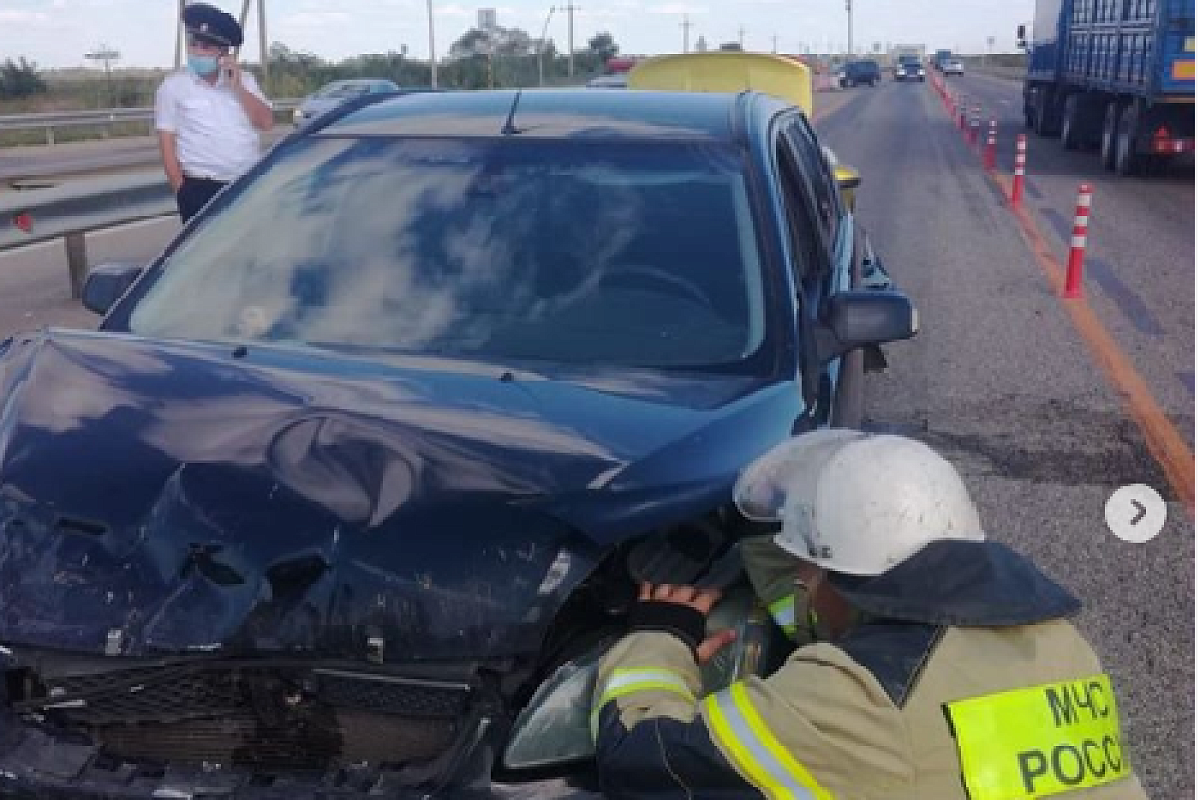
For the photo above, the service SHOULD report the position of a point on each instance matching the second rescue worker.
(209, 115)
(941, 665)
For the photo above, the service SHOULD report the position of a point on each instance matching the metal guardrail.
(72, 210)
(49, 121)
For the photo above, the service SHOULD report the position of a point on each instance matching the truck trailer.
(1117, 74)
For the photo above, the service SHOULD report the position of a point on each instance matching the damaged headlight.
(554, 727)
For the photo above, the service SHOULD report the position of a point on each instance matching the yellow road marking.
(1162, 438)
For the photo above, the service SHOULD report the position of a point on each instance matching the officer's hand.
(232, 69)
(700, 599)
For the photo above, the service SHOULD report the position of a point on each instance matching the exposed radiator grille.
(341, 739)
(281, 717)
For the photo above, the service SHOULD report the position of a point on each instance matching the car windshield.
(576, 252)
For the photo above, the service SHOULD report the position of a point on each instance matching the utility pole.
(263, 56)
(542, 47)
(687, 29)
(849, 29)
(774, 44)
(741, 37)
(179, 35)
(432, 49)
(571, 9)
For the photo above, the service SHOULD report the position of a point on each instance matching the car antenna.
(509, 129)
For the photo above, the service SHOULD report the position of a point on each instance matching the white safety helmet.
(857, 503)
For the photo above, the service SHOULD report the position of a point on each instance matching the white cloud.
(315, 19)
(677, 8)
(24, 18)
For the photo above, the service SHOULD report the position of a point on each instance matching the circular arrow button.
(1135, 513)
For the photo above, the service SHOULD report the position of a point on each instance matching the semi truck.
(1115, 74)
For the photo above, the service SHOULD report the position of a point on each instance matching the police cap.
(212, 25)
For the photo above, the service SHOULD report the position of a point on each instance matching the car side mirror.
(106, 283)
(859, 317)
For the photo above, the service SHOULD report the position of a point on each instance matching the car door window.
(810, 252)
(822, 185)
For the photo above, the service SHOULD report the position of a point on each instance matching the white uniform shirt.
(213, 135)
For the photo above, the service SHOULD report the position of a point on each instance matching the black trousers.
(194, 194)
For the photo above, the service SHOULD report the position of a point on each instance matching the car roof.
(551, 113)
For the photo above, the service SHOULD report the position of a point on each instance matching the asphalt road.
(998, 379)
(42, 163)
(1141, 245)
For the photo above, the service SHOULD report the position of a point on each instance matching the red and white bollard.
(976, 121)
(989, 152)
(1018, 186)
(1073, 287)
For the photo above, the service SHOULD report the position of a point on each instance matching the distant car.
(332, 95)
(952, 66)
(856, 73)
(910, 69)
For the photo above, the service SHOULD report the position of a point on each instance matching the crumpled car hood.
(177, 497)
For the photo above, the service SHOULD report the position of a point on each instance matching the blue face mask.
(202, 65)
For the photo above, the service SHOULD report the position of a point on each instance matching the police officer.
(208, 116)
(942, 664)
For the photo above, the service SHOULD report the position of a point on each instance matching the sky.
(57, 33)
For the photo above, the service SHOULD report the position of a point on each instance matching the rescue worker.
(943, 666)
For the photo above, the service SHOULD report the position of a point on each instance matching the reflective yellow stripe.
(1189, 44)
(1183, 70)
(759, 756)
(783, 611)
(624, 682)
(1039, 741)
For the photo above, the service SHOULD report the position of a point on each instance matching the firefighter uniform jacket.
(964, 681)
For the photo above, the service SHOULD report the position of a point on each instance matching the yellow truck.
(785, 78)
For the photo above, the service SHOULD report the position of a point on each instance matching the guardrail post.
(76, 262)
(49, 134)
(989, 152)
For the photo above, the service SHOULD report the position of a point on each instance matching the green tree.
(20, 79)
(603, 46)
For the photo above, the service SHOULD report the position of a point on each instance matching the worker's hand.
(698, 599)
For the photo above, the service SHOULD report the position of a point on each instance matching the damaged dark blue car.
(354, 483)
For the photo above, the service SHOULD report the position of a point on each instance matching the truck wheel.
(1128, 161)
(1069, 132)
(1043, 115)
(1108, 136)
